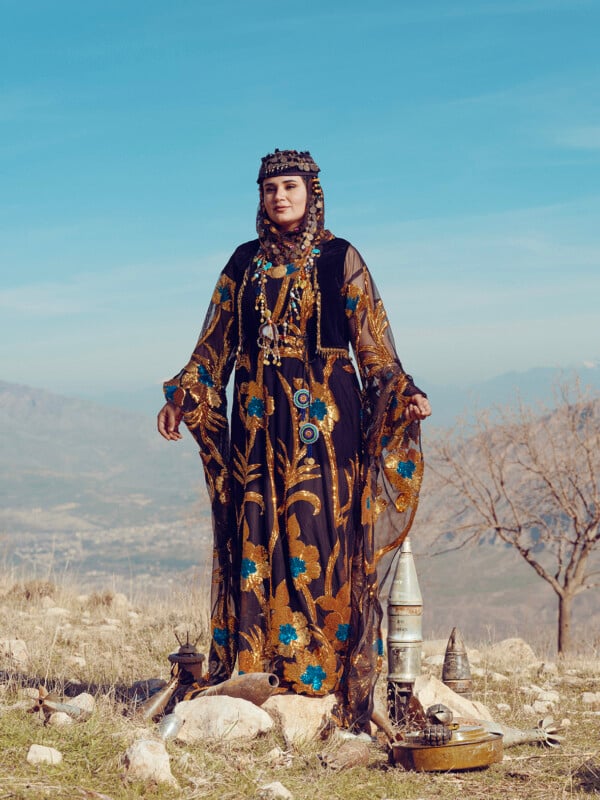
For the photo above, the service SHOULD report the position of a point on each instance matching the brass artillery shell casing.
(456, 672)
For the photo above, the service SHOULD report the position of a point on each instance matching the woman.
(314, 459)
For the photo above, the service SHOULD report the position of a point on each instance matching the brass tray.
(471, 747)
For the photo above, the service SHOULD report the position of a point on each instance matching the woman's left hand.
(418, 408)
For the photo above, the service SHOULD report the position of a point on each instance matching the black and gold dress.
(314, 480)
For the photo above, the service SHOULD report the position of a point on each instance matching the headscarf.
(284, 247)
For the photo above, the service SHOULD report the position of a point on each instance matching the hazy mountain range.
(449, 401)
(94, 491)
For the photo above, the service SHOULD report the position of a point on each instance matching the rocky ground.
(90, 649)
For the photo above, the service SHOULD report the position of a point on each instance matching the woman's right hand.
(168, 421)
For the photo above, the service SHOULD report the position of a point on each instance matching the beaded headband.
(287, 162)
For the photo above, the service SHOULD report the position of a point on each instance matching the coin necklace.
(271, 331)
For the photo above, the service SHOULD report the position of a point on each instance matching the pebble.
(590, 698)
(39, 754)
(60, 720)
(16, 651)
(274, 791)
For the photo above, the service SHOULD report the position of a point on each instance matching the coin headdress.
(281, 247)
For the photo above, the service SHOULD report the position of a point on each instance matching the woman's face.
(284, 197)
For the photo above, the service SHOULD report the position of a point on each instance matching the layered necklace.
(271, 330)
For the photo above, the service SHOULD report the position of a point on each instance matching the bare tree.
(533, 480)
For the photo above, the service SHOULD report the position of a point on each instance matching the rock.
(220, 717)
(76, 661)
(279, 758)
(502, 706)
(274, 791)
(57, 611)
(85, 702)
(31, 693)
(113, 621)
(60, 720)
(47, 602)
(430, 690)
(542, 706)
(15, 650)
(548, 668)
(590, 698)
(515, 652)
(498, 677)
(148, 760)
(548, 696)
(301, 718)
(528, 709)
(38, 754)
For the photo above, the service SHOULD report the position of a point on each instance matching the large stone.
(15, 650)
(301, 718)
(220, 717)
(148, 760)
(430, 690)
(39, 754)
(515, 653)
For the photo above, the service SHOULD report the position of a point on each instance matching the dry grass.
(103, 643)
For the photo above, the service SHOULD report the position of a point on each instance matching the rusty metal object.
(546, 734)
(156, 704)
(470, 747)
(434, 735)
(405, 633)
(380, 719)
(256, 687)
(352, 753)
(439, 714)
(456, 672)
(189, 661)
(49, 703)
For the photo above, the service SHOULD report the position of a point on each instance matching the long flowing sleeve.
(199, 390)
(392, 445)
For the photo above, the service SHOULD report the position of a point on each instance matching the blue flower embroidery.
(351, 303)
(224, 293)
(169, 392)
(297, 566)
(318, 409)
(256, 407)
(394, 402)
(313, 676)
(343, 632)
(290, 269)
(204, 376)
(378, 645)
(287, 633)
(384, 441)
(406, 468)
(221, 636)
(248, 567)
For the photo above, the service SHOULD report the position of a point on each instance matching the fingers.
(418, 408)
(168, 421)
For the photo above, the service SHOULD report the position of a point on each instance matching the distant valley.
(92, 491)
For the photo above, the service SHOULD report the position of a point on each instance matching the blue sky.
(460, 151)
